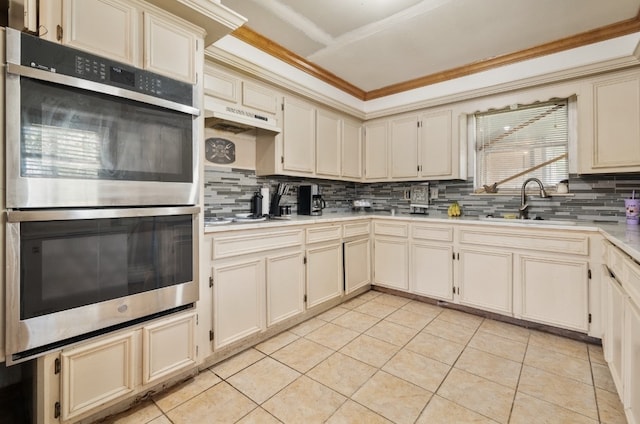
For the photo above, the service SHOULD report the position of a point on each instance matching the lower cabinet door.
(168, 347)
(95, 374)
(357, 264)
(238, 300)
(324, 274)
(632, 362)
(555, 291)
(285, 286)
(432, 270)
(391, 263)
(614, 329)
(486, 280)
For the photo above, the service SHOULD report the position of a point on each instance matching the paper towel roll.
(265, 200)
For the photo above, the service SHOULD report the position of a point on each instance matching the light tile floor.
(381, 358)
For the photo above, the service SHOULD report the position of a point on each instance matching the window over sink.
(521, 142)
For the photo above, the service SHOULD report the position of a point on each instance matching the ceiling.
(372, 48)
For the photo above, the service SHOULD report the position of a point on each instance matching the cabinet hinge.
(211, 335)
(211, 281)
(589, 318)
(197, 319)
(56, 366)
(59, 33)
(56, 410)
(589, 274)
(196, 351)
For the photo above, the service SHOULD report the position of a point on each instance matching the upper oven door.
(78, 143)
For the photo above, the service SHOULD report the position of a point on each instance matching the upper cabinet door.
(328, 143)
(404, 147)
(169, 49)
(104, 27)
(375, 150)
(298, 136)
(609, 125)
(351, 149)
(436, 145)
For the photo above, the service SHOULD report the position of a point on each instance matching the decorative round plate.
(220, 150)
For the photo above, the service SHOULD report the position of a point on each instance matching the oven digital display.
(122, 76)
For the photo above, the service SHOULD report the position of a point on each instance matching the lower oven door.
(73, 274)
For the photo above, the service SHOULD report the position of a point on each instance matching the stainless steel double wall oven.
(101, 193)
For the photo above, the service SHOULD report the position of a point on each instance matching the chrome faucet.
(524, 206)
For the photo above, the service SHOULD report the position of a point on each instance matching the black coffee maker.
(310, 201)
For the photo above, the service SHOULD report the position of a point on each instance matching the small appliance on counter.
(310, 201)
(419, 198)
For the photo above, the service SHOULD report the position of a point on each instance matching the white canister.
(562, 187)
(264, 191)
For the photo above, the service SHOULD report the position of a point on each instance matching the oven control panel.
(52, 57)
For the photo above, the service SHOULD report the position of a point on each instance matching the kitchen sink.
(527, 221)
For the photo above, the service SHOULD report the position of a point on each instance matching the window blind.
(512, 141)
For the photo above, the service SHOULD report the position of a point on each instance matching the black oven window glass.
(66, 264)
(72, 133)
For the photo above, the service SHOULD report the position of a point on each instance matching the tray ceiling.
(376, 47)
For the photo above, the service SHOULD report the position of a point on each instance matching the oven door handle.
(25, 71)
(69, 214)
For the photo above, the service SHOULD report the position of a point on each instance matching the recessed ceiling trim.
(607, 32)
(258, 41)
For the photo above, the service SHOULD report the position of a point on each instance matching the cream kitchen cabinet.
(239, 304)
(555, 290)
(376, 150)
(298, 136)
(425, 145)
(351, 153)
(285, 288)
(328, 143)
(485, 279)
(609, 124)
(621, 339)
(404, 147)
(631, 383)
(540, 275)
(80, 381)
(614, 331)
(357, 255)
(432, 260)
(324, 263)
(391, 254)
(132, 32)
(257, 280)
(236, 90)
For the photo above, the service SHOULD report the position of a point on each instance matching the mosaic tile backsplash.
(228, 191)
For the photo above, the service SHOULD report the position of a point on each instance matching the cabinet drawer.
(326, 233)
(546, 241)
(385, 228)
(432, 232)
(356, 229)
(631, 279)
(615, 259)
(233, 245)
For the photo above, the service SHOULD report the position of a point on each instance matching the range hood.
(236, 120)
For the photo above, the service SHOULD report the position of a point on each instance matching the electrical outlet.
(434, 193)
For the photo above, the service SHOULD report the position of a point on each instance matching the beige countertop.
(626, 237)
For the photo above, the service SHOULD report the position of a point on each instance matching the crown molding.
(258, 41)
(607, 32)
